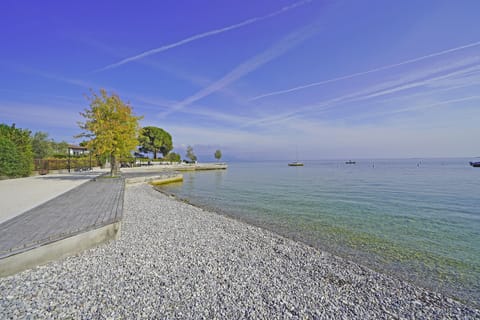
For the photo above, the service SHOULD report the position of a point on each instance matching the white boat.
(296, 163)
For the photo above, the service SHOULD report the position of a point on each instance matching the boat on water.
(350, 162)
(295, 164)
(475, 164)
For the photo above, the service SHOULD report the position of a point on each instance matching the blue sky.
(256, 79)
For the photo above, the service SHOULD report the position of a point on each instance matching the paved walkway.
(90, 205)
(20, 195)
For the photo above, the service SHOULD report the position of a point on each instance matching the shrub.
(16, 155)
(9, 158)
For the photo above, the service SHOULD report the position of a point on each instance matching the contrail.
(287, 43)
(375, 91)
(204, 35)
(353, 75)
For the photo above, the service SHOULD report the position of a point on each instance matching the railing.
(43, 166)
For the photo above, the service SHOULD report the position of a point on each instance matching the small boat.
(475, 164)
(350, 162)
(295, 164)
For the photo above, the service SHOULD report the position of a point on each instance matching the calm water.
(417, 219)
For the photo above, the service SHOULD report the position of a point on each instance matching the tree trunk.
(154, 154)
(113, 165)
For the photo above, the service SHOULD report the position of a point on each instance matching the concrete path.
(50, 217)
(91, 205)
(20, 195)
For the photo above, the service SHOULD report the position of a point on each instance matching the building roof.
(74, 147)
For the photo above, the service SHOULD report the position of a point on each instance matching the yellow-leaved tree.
(111, 127)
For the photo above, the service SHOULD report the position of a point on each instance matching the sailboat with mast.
(295, 163)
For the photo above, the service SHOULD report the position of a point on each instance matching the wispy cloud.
(407, 107)
(203, 35)
(40, 114)
(353, 75)
(226, 119)
(200, 112)
(287, 43)
(420, 96)
(424, 82)
(318, 139)
(200, 81)
(48, 75)
(437, 104)
(460, 73)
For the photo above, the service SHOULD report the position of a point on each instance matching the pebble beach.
(177, 261)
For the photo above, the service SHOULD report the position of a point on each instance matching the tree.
(110, 126)
(173, 157)
(218, 155)
(154, 139)
(60, 148)
(16, 156)
(42, 147)
(190, 154)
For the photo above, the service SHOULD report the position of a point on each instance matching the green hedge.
(16, 155)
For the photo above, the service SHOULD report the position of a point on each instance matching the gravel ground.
(176, 261)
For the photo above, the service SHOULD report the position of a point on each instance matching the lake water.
(418, 219)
